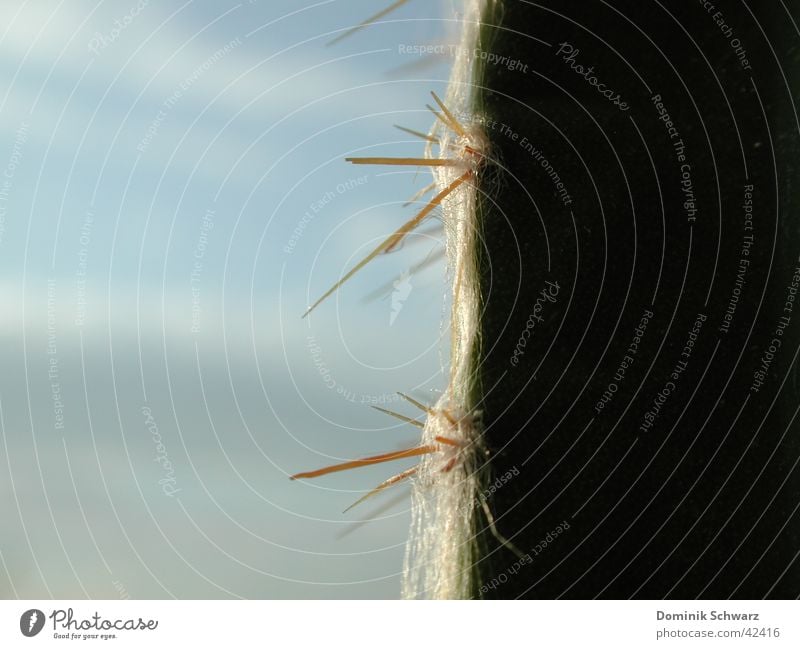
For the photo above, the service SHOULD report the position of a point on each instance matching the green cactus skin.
(641, 243)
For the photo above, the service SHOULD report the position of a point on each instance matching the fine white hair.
(441, 551)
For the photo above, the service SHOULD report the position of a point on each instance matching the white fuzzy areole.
(440, 552)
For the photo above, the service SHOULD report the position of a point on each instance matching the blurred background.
(173, 196)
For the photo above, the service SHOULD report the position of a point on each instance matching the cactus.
(616, 183)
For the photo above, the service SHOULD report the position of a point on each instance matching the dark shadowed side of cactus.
(639, 262)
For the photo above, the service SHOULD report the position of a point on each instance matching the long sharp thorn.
(383, 485)
(397, 415)
(376, 17)
(412, 162)
(419, 134)
(455, 124)
(416, 403)
(395, 246)
(366, 461)
(450, 442)
(394, 238)
(440, 117)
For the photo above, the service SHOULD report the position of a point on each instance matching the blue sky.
(176, 196)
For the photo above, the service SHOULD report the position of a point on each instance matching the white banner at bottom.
(390, 624)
